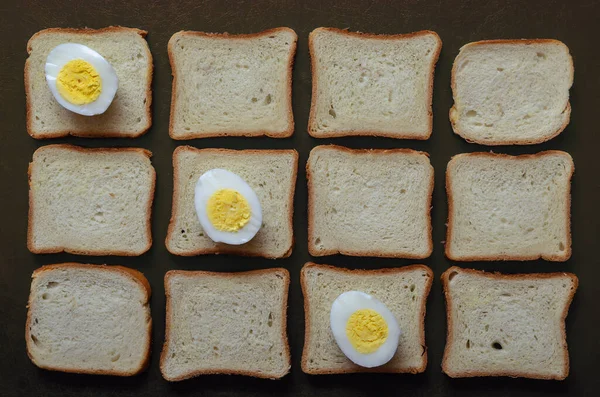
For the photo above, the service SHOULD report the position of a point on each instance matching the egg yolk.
(367, 330)
(79, 82)
(228, 210)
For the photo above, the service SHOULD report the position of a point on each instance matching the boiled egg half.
(227, 207)
(80, 79)
(364, 328)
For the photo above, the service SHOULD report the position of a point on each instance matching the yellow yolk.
(78, 82)
(367, 330)
(228, 210)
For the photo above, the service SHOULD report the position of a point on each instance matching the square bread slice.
(90, 201)
(128, 116)
(507, 325)
(366, 84)
(403, 290)
(511, 92)
(509, 207)
(369, 202)
(270, 173)
(89, 319)
(232, 85)
(226, 323)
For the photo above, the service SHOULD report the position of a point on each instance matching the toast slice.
(366, 84)
(90, 201)
(509, 207)
(403, 290)
(232, 85)
(128, 116)
(89, 319)
(369, 202)
(507, 325)
(226, 323)
(511, 92)
(270, 173)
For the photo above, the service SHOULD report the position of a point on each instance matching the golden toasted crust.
(315, 83)
(224, 371)
(132, 274)
(223, 249)
(453, 271)
(359, 272)
(31, 217)
(191, 134)
(312, 249)
(104, 134)
(514, 257)
(525, 141)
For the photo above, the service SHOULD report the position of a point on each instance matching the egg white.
(64, 53)
(217, 179)
(341, 310)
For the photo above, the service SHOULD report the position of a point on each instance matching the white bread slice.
(226, 323)
(129, 115)
(509, 207)
(89, 319)
(511, 92)
(366, 84)
(90, 201)
(507, 325)
(232, 85)
(403, 290)
(369, 202)
(270, 173)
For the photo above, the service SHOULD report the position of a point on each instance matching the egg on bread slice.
(228, 209)
(364, 328)
(80, 79)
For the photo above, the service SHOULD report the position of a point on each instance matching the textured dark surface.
(574, 22)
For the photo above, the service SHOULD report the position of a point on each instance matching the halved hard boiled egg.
(227, 207)
(364, 328)
(80, 79)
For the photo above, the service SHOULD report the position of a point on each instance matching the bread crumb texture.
(511, 92)
(505, 207)
(226, 323)
(372, 85)
(507, 325)
(232, 84)
(88, 319)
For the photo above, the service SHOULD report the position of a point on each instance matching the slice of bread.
(89, 319)
(369, 202)
(90, 201)
(226, 323)
(270, 173)
(366, 84)
(511, 92)
(507, 325)
(232, 85)
(509, 207)
(403, 290)
(129, 115)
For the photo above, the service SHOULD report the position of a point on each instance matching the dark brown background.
(574, 22)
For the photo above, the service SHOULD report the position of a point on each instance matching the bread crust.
(315, 83)
(451, 272)
(31, 214)
(359, 272)
(225, 371)
(104, 134)
(248, 36)
(132, 274)
(514, 257)
(224, 249)
(312, 249)
(525, 141)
